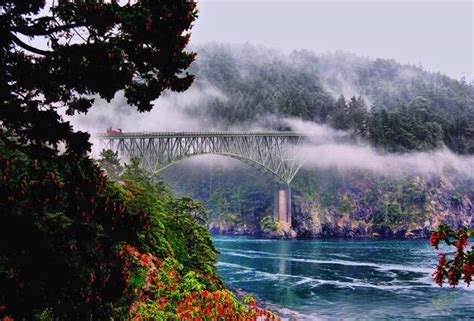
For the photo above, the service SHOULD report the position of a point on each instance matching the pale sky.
(436, 34)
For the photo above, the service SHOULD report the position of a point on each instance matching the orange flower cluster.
(163, 285)
(219, 305)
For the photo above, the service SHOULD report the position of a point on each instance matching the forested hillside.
(395, 107)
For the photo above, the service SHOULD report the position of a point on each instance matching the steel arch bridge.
(274, 153)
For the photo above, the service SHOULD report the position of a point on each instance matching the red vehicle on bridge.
(111, 131)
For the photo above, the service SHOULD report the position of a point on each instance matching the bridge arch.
(255, 164)
(273, 152)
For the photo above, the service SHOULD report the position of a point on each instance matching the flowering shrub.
(74, 245)
(457, 265)
(164, 293)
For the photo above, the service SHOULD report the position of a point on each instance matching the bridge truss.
(272, 152)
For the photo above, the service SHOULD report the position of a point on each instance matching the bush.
(457, 265)
(74, 245)
(268, 223)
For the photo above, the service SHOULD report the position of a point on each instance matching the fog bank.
(328, 148)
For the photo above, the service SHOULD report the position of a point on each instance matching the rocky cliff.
(329, 203)
(366, 209)
(389, 215)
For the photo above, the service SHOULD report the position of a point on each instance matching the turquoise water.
(343, 279)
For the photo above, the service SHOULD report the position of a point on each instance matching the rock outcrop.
(440, 202)
(411, 213)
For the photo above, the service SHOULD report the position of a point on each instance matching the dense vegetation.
(457, 266)
(75, 245)
(395, 107)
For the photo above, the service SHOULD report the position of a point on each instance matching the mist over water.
(342, 279)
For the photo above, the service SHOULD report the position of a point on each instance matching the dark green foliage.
(218, 204)
(260, 86)
(186, 231)
(60, 227)
(63, 225)
(181, 220)
(110, 163)
(93, 48)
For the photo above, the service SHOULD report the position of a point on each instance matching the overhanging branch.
(31, 33)
(28, 47)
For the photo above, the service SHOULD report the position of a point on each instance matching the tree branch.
(31, 33)
(28, 47)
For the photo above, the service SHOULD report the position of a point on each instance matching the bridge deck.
(126, 135)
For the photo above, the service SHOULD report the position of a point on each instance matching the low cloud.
(325, 148)
(328, 148)
(172, 112)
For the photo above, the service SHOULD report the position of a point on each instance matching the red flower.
(435, 238)
(468, 271)
(461, 242)
(442, 259)
(453, 278)
(148, 26)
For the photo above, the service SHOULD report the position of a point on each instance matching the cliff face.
(389, 215)
(366, 208)
(329, 203)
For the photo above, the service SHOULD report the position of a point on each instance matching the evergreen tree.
(338, 116)
(356, 115)
(92, 49)
(109, 161)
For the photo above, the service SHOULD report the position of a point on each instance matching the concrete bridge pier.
(282, 205)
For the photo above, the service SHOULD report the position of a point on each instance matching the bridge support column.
(282, 204)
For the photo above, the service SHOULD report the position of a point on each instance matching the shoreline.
(285, 314)
(320, 237)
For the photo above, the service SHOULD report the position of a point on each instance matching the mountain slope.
(262, 85)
